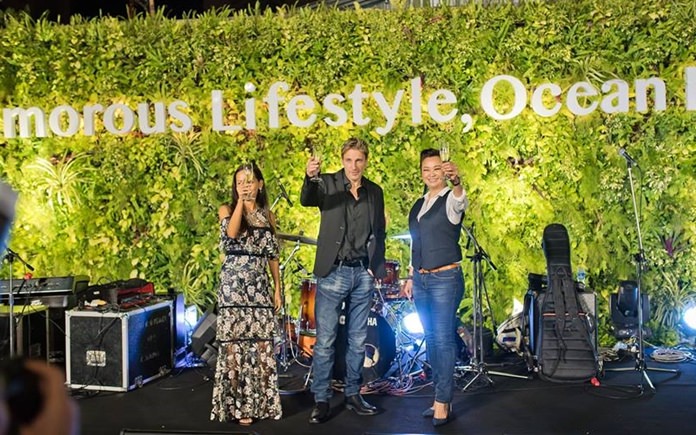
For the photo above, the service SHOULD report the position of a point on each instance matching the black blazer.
(330, 196)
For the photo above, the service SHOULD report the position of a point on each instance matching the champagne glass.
(445, 155)
(248, 170)
(316, 155)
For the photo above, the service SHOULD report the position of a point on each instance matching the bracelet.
(410, 277)
(456, 181)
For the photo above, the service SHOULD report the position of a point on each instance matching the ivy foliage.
(116, 206)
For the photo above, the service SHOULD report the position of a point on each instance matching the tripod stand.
(410, 351)
(477, 364)
(286, 359)
(640, 366)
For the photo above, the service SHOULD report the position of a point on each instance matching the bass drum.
(380, 349)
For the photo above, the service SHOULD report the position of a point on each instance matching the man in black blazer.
(350, 255)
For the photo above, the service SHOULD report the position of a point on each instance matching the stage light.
(412, 323)
(624, 310)
(191, 316)
(689, 319)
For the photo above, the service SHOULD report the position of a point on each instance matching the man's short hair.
(354, 144)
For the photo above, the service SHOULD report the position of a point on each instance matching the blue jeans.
(354, 285)
(437, 297)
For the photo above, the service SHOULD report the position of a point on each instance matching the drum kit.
(394, 349)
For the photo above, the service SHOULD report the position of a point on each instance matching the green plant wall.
(113, 206)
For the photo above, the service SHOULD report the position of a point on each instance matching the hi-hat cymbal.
(297, 238)
(404, 236)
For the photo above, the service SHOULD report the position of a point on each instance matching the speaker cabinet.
(118, 351)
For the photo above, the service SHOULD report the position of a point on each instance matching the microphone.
(284, 193)
(629, 159)
(12, 255)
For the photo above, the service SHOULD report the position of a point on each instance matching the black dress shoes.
(358, 405)
(428, 413)
(443, 421)
(320, 412)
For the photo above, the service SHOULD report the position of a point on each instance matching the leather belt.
(362, 262)
(439, 269)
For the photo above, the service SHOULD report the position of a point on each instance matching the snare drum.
(308, 295)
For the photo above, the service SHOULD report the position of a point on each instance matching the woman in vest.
(435, 280)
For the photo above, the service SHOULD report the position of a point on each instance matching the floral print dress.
(246, 377)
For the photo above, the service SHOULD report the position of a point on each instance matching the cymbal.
(297, 238)
(404, 236)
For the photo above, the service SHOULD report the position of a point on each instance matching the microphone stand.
(477, 364)
(11, 256)
(640, 366)
(275, 201)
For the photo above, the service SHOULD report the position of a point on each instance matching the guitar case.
(566, 352)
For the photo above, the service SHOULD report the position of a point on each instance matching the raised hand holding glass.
(445, 156)
(316, 155)
(248, 180)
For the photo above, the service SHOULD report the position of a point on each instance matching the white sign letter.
(357, 97)
(73, 121)
(127, 115)
(301, 102)
(334, 109)
(487, 97)
(88, 114)
(689, 88)
(389, 112)
(218, 118)
(441, 97)
(416, 89)
(538, 100)
(273, 99)
(184, 121)
(581, 90)
(659, 92)
(618, 101)
(23, 116)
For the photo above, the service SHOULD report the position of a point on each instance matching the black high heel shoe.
(428, 413)
(443, 421)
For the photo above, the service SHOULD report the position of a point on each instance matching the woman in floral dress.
(246, 386)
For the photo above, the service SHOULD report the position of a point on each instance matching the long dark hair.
(261, 196)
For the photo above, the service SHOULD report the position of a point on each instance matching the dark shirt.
(354, 243)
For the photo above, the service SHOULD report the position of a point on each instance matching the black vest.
(435, 240)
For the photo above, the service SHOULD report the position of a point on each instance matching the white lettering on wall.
(502, 98)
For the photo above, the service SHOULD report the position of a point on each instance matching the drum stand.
(477, 364)
(286, 341)
(404, 365)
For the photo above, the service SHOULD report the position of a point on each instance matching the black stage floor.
(180, 403)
